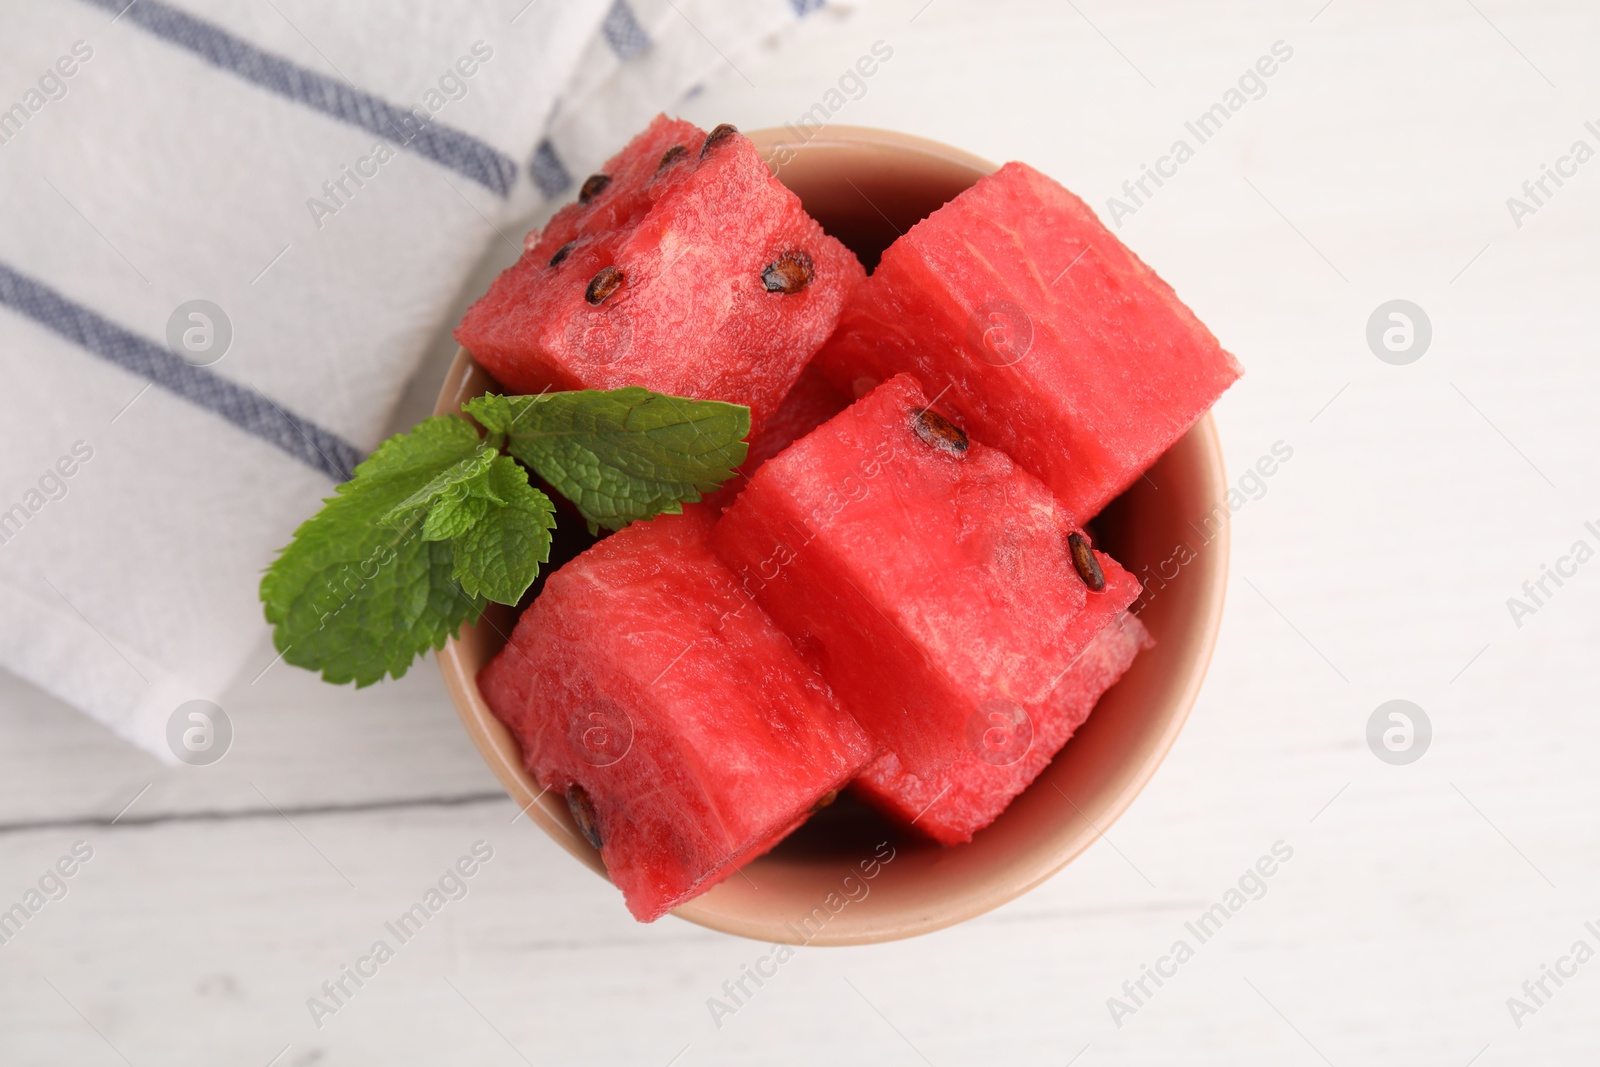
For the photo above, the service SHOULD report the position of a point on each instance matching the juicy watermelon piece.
(928, 576)
(952, 805)
(694, 273)
(1043, 332)
(642, 677)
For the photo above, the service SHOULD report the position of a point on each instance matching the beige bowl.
(866, 186)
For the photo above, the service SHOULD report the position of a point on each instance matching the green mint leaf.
(433, 445)
(356, 596)
(453, 515)
(498, 556)
(456, 479)
(620, 454)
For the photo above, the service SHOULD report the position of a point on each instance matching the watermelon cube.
(688, 269)
(931, 579)
(952, 805)
(684, 730)
(1041, 331)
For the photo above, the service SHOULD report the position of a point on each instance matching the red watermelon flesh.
(928, 576)
(626, 185)
(952, 805)
(812, 401)
(1046, 335)
(642, 676)
(710, 282)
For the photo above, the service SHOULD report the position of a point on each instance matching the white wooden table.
(1374, 564)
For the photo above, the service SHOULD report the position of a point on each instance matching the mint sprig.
(438, 522)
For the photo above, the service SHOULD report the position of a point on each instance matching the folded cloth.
(228, 232)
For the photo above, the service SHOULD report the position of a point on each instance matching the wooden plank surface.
(1375, 564)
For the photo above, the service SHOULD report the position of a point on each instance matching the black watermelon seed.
(720, 133)
(789, 273)
(562, 253)
(602, 285)
(938, 431)
(593, 186)
(1083, 559)
(671, 156)
(583, 814)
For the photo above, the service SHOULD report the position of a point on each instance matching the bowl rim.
(501, 751)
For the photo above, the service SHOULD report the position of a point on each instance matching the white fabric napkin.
(322, 177)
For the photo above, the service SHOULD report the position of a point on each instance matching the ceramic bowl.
(866, 187)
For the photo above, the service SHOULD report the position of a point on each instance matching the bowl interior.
(866, 187)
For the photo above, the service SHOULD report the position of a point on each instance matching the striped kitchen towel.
(229, 230)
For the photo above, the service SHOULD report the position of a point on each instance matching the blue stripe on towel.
(623, 32)
(460, 152)
(806, 7)
(247, 409)
(548, 172)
